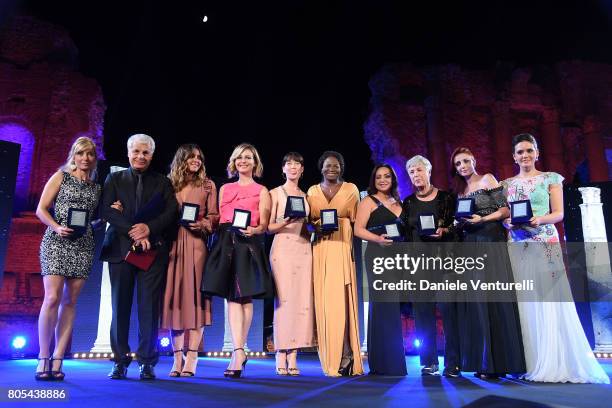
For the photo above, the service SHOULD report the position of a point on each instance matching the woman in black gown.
(491, 341)
(382, 206)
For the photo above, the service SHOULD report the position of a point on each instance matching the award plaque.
(189, 214)
(77, 221)
(295, 207)
(520, 211)
(427, 224)
(393, 232)
(465, 207)
(242, 219)
(329, 220)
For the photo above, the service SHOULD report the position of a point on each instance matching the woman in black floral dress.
(65, 255)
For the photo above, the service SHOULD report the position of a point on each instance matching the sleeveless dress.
(386, 354)
(556, 348)
(184, 307)
(334, 280)
(491, 341)
(70, 258)
(237, 267)
(291, 260)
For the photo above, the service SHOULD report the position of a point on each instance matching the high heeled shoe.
(57, 375)
(190, 373)
(347, 370)
(177, 373)
(45, 374)
(292, 371)
(237, 373)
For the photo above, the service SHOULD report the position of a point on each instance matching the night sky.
(293, 75)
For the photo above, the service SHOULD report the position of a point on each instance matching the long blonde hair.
(231, 165)
(83, 143)
(179, 174)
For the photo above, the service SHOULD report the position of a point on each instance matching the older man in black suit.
(145, 218)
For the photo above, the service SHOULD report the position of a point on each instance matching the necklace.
(330, 189)
(425, 194)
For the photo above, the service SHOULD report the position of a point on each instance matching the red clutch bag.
(142, 260)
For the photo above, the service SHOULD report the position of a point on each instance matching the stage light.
(209, 354)
(19, 342)
(605, 355)
(165, 342)
(90, 355)
(98, 355)
(215, 354)
(75, 355)
(417, 343)
(204, 19)
(105, 355)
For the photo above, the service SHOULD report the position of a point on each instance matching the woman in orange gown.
(335, 283)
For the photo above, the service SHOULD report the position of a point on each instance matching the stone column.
(552, 145)
(598, 267)
(436, 146)
(502, 138)
(102, 343)
(595, 151)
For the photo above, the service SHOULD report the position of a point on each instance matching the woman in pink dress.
(184, 308)
(238, 268)
(291, 260)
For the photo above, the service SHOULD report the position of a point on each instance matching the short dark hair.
(331, 153)
(372, 186)
(295, 156)
(524, 137)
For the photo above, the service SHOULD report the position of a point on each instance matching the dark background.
(292, 74)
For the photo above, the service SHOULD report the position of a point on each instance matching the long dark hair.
(459, 183)
(372, 186)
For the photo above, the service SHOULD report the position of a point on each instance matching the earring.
(73, 166)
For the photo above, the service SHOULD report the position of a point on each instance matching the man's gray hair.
(416, 160)
(141, 138)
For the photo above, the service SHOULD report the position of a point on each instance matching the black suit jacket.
(121, 186)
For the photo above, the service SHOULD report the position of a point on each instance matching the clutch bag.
(141, 259)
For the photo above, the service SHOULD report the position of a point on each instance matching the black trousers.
(425, 322)
(124, 277)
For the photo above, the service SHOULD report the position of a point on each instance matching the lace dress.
(491, 340)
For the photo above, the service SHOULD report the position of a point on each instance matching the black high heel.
(186, 373)
(177, 373)
(346, 371)
(45, 374)
(237, 373)
(57, 375)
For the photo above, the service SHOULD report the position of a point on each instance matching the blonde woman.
(66, 256)
(237, 268)
(184, 308)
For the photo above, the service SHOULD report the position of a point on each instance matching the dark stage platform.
(87, 386)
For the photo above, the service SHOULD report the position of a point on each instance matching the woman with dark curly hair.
(335, 283)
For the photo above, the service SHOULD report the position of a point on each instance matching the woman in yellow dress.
(335, 283)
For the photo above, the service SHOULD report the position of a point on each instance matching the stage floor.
(87, 386)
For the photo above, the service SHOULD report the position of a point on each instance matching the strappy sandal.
(237, 373)
(45, 374)
(186, 373)
(57, 375)
(176, 373)
(293, 371)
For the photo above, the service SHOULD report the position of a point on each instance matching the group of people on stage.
(310, 270)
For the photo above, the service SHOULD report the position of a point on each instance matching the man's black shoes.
(147, 372)
(119, 372)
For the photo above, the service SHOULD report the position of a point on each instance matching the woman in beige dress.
(184, 307)
(335, 286)
(291, 260)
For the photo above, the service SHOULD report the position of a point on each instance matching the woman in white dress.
(556, 348)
